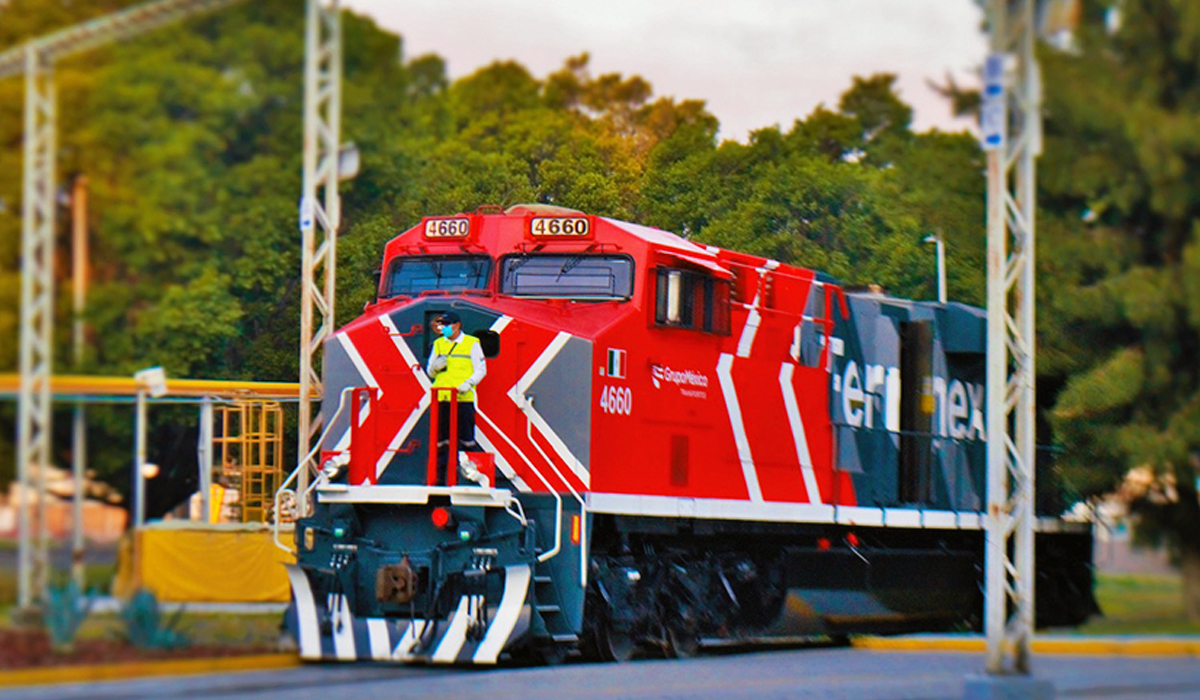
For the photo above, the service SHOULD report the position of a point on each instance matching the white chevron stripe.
(539, 365)
(725, 377)
(309, 630)
(500, 324)
(356, 358)
(343, 630)
(516, 589)
(501, 463)
(410, 422)
(456, 634)
(381, 641)
(517, 394)
(798, 435)
(408, 640)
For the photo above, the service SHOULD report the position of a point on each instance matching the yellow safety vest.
(458, 364)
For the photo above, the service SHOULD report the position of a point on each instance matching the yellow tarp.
(206, 563)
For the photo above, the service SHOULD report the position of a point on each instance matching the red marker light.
(823, 543)
(441, 518)
(852, 539)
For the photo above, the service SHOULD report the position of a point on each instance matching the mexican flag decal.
(616, 364)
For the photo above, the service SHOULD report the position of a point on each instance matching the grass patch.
(1139, 604)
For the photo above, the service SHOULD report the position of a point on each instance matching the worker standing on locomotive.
(457, 363)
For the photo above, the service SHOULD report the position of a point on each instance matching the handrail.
(538, 473)
(303, 464)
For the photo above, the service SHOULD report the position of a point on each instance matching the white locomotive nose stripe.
(357, 360)
(410, 360)
(408, 640)
(516, 590)
(343, 630)
(306, 614)
(500, 324)
(456, 635)
(381, 642)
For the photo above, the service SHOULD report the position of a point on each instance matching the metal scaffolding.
(1012, 136)
(36, 59)
(320, 215)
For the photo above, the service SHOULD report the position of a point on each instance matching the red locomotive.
(678, 445)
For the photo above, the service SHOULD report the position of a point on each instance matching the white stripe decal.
(514, 447)
(501, 463)
(343, 629)
(456, 634)
(798, 434)
(516, 589)
(408, 640)
(363, 371)
(309, 629)
(410, 422)
(746, 341)
(500, 324)
(381, 642)
(359, 364)
(517, 394)
(560, 448)
(539, 365)
(343, 442)
(725, 377)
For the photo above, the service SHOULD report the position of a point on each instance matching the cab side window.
(687, 299)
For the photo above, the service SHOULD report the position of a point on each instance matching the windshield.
(576, 276)
(449, 273)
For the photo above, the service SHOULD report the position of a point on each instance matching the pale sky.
(755, 62)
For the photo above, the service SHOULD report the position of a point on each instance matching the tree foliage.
(1120, 307)
(190, 137)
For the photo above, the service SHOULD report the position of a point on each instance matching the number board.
(570, 226)
(458, 227)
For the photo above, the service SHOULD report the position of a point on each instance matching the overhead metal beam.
(320, 215)
(1012, 135)
(66, 385)
(108, 29)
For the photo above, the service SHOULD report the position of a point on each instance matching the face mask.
(447, 331)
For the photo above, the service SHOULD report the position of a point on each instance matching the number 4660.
(617, 400)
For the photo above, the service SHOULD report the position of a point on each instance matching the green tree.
(1119, 260)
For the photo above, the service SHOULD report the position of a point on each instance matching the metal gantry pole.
(204, 456)
(79, 273)
(139, 460)
(320, 215)
(1012, 135)
(37, 319)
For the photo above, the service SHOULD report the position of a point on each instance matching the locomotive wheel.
(681, 643)
(614, 644)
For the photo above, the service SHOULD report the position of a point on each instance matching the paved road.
(829, 674)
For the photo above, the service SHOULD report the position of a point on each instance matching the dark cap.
(450, 317)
